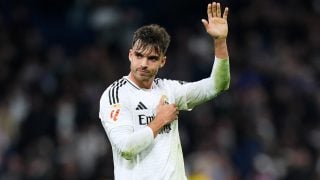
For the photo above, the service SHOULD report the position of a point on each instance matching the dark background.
(57, 57)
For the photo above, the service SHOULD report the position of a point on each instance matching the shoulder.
(115, 92)
(168, 82)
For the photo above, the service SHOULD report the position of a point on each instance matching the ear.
(163, 61)
(130, 54)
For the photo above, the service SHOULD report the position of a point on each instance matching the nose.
(144, 62)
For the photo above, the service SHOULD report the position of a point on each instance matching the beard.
(144, 74)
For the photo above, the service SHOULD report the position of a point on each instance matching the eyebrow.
(138, 53)
(149, 57)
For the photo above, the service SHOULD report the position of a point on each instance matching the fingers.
(218, 10)
(209, 11)
(225, 13)
(161, 100)
(214, 10)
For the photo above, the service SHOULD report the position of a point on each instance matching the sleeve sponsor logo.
(114, 114)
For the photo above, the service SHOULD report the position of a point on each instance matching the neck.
(144, 84)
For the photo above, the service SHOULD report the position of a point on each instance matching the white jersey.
(125, 105)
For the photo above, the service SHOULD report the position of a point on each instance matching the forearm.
(156, 125)
(129, 143)
(221, 68)
(221, 48)
(221, 74)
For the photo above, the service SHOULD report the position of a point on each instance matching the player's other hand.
(216, 25)
(166, 112)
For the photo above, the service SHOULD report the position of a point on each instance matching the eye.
(153, 58)
(138, 55)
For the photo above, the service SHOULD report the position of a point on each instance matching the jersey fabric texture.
(126, 110)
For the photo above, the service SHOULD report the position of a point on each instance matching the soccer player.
(139, 112)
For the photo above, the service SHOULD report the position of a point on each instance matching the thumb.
(205, 23)
(162, 100)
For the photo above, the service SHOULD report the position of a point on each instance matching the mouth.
(143, 72)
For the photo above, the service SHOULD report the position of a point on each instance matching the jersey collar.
(137, 87)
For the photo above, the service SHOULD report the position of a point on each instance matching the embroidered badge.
(115, 112)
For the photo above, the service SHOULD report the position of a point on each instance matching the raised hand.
(216, 25)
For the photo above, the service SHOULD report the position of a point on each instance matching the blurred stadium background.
(57, 57)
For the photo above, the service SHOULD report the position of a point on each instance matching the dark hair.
(152, 35)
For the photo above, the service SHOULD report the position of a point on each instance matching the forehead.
(146, 50)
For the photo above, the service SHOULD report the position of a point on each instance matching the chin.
(144, 78)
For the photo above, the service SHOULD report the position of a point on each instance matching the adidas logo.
(141, 106)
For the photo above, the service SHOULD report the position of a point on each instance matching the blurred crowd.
(57, 57)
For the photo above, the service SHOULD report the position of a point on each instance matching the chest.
(144, 105)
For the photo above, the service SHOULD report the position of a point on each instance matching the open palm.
(216, 25)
